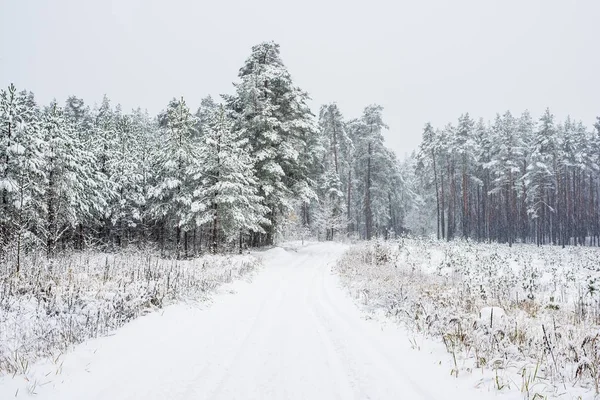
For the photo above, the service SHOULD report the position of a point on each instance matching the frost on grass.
(52, 305)
(528, 317)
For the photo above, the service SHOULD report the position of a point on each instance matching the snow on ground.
(520, 321)
(292, 333)
(49, 306)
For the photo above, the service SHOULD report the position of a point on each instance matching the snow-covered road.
(292, 333)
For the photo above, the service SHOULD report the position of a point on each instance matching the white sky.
(422, 60)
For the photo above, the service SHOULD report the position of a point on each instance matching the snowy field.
(291, 333)
(46, 308)
(476, 322)
(521, 321)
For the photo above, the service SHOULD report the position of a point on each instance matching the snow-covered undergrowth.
(526, 318)
(49, 306)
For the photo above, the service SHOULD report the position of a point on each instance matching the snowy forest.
(516, 179)
(231, 174)
(258, 163)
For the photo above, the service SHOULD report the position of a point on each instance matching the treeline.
(515, 179)
(229, 175)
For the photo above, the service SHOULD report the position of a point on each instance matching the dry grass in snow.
(50, 306)
(526, 318)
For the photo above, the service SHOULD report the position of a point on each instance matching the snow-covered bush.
(51, 305)
(516, 309)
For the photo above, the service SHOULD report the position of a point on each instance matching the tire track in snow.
(364, 348)
(255, 337)
(292, 333)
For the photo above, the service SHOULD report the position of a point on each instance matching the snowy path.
(290, 334)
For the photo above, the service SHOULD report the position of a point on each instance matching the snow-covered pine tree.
(226, 197)
(573, 163)
(398, 196)
(204, 114)
(541, 178)
(582, 184)
(72, 190)
(483, 146)
(103, 141)
(508, 149)
(427, 168)
(77, 113)
(22, 174)
(420, 204)
(594, 206)
(80, 117)
(104, 134)
(337, 143)
(445, 138)
(464, 149)
(525, 127)
(145, 133)
(272, 114)
(330, 217)
(337, 147)
(371, 168)
(126, 168)
(11, 109)
(172, 194)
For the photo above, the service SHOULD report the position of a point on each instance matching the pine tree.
(446, 138)
(525, 130)
(330, 217)
(227, 195)
(73, 191)
(464, 148)
(21, 161)
(427, 166)
(77, 113)
(272, 114)
(125, 170)
(397, 195)
(508, 149)
(172, 194)
(145, 133)
(370, 168)
(204, 114)
(336, 166)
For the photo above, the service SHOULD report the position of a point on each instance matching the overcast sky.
(422, 60)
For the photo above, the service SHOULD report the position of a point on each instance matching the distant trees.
(261, 164)
(516, 179)
(227, 175)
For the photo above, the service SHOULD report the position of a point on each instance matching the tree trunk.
(178, 242)
(348, 200)
(185, 244)
(368, 212)
(443, 200)
(437, 193)
(215, 230)
(465, 193)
